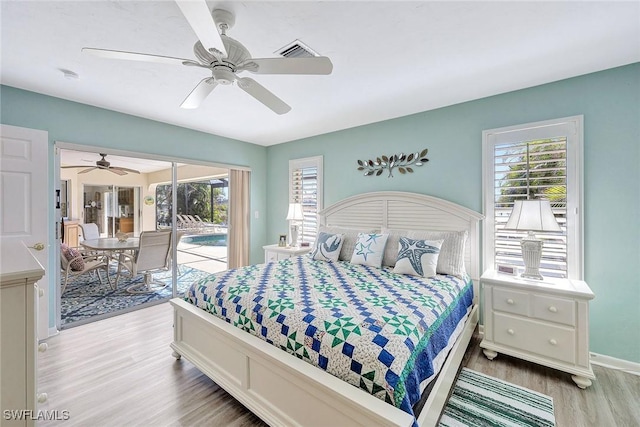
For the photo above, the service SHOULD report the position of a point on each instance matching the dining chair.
(75, 263)
(153, 255)
(90, 231)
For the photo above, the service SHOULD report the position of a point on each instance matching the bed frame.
(283, 390)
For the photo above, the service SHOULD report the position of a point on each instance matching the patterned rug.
(86, 300)
(479, 400)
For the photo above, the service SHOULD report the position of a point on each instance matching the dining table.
(112, 244)
(113, 248)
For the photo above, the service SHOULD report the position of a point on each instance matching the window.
(537, 160)
(305, 187)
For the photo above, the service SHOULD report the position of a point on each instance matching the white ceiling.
(390, 58)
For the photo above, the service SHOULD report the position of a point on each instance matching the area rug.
(480, 400)
(86, 299)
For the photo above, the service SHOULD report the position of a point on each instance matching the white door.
(24, 172)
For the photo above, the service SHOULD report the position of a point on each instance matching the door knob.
(37, 246)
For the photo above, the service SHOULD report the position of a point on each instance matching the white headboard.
(408, 211)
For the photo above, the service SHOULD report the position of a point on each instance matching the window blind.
(304, 190)
(535, 169)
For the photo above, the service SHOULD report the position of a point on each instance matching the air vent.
(296, 49)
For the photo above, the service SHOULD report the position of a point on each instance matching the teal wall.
(82, 124)
(610, 103)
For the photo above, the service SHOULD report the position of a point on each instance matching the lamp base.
(294, 236)
(531, 255)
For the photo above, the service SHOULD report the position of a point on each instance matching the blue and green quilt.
(370, 327)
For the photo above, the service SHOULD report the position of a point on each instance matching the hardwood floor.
(119, 371)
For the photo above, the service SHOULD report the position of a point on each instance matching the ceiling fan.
(105, 165)
(225, 57)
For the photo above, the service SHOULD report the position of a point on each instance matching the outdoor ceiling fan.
(225, 57)
(105, 165)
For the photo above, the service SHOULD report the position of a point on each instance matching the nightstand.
(277, 253)
(545, 322)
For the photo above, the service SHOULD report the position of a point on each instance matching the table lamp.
(532, 215)
(294, 215)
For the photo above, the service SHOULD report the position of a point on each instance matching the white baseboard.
(614, 363)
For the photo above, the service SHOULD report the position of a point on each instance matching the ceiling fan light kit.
(225, 57)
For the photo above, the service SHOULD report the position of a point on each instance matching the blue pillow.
(327, 247)
(369, 249)
(417, 257)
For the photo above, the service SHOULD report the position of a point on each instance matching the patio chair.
(75, 263)
(90, 231)
(184, 223)
(204, 225)
(153, 255)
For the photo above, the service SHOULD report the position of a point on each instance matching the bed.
(283, 389)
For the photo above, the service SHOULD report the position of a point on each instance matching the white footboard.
(283, 390)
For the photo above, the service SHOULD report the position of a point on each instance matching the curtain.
(238, 244)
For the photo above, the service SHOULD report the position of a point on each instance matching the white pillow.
(417, 257)
(350, 237)
(327, 247)
(451, 258)
(369, 249)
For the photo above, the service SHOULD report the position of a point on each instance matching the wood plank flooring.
(119, 371)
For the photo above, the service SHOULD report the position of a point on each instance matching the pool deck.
(211, 259)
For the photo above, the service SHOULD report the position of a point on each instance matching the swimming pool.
(206, 239)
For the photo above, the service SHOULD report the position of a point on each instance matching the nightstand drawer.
(557, 342)
(511, 301)
(553, 309)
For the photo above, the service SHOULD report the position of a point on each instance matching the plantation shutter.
(535, 169)
(305, 189)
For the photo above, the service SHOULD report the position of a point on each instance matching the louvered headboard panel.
(408, 211)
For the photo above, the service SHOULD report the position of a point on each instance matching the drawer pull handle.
(553, 309)
(511, 331)
(510, 301)
(553, 342)
(43, 347)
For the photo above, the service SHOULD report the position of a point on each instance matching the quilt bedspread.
(375, 329)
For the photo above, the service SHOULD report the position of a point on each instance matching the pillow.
(369, 249)
(417, 257)
(327, 247)
(391, 251)
(350, 237)
(71, 253)
(451, 258)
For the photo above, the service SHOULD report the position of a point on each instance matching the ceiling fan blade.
(314, 65)
(125, 170)
(89, 170)
(199, 93)
(133, 56)
(263, 95)
(117, 171)
(199, 17)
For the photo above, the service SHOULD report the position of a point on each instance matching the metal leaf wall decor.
(403, 162)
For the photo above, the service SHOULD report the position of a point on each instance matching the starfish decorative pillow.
(369, 249)
(417, 257)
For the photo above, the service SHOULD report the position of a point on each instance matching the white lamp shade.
(532, 215)
(295, 212)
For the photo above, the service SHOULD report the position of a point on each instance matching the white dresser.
(277, 253)
(19, 271)
(545, 322)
